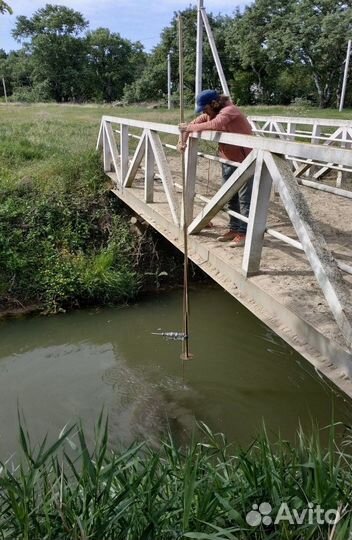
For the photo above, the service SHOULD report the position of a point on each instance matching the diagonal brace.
(323, 264)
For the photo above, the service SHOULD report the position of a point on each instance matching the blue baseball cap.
(205, 98)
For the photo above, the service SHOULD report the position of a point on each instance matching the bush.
(39, 93)
(63, 244)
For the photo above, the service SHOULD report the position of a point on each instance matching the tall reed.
(78, 491)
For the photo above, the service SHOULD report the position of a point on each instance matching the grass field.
(89, 115)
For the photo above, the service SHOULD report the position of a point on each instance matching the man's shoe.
(239, 240)
(228, 236)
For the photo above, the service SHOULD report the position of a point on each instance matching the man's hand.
(183, 127)
(182, 142)
(181, 145)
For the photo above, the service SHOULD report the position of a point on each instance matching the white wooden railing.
(327, 132)
(266, 163)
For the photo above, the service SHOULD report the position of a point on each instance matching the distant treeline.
(274, 52)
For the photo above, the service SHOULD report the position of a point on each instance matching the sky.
(136, 20)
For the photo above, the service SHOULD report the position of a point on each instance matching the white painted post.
(4, 85)
(113, 153)
(344, 84)
(199, 49)
(291, 130)
(123, 152)
(215, 53)
(169, 80)
(316, 133)
(107, 156)
(191, 170)
(100, 135)
(149, 172)
(257, 218)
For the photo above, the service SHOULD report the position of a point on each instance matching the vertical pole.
(123, 152)
(257, 217)
(344, 84)
(4, 85)
(185, 350)
(199, 49)
(169, 81)
(149, 172)
(215, 53)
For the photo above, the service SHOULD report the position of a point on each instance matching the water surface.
(69, 366)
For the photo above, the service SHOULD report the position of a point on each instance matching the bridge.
(294, 271)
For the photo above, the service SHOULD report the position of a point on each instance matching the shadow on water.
(67, 367)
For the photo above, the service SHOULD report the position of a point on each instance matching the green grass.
(73, 490)
(63, 240)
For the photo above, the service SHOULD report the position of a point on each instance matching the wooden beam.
(215, 53)
(136, 161)
(231, 186)
(164, 128)
(306, 121)
(165, 173)
(100, 136)
(322, 262)
(302, 169)
(257, 217)
(277, 146)
(199, 50)
(124, 160)
(191, 173)
(149, 172)
(110, 141)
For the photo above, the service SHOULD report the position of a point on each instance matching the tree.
(246, 43)
(153, 82)
(57, 52)
(316, 35)
(4, 7)
(297, 36)
(113, 62)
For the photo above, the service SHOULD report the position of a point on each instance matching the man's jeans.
(240, 202)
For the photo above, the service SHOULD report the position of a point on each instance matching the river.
(58, 369)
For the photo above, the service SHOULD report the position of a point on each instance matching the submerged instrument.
(176, 336)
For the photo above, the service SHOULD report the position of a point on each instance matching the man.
(220, 114)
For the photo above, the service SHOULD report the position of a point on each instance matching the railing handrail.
(327, 154)
(142, 124)
(324, 122)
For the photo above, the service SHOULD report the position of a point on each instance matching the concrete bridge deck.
(286, 292)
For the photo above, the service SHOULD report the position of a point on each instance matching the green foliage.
(76, 489)
(57, 53)
(113, 63)
(152, 84)
(272, 53)
(67, 66)
(273, 39)
(62, 242)
(5, 7)
(38, 92)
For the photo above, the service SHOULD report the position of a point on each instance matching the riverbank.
(65, 241)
